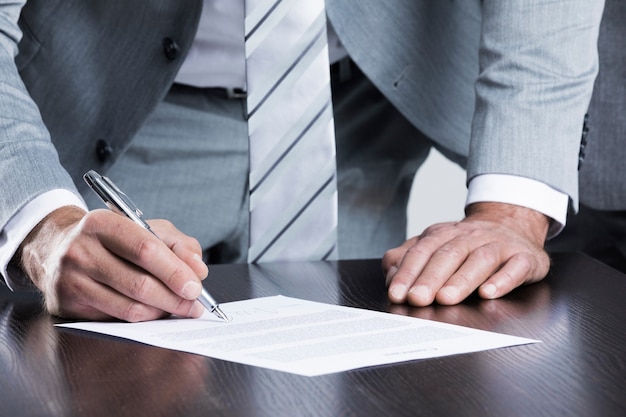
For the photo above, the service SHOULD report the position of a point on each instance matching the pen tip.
(220, 314)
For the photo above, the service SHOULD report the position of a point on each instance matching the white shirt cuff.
(20, 225)
(521, 191)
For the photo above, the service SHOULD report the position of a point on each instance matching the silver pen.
(119, 202)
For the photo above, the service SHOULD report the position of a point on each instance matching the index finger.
(184, 247)
(415, 259)
(140, 247)
(442, 266)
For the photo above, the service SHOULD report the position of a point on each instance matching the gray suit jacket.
(514, 76)
(96, 68)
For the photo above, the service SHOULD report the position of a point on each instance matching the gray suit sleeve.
(29, 163)
(538, 62)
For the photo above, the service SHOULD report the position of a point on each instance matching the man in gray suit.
(105, 80)
(536, 63)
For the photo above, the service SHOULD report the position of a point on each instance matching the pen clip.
(113, 197)
(130, 205)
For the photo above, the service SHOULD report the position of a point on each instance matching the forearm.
(538, 63)
(29, 164)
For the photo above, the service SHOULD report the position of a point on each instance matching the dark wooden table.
(578, 312)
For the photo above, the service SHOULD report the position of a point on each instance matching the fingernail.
(397, 292)
(201, 263)
(390, 274)
(450, 292)
(191, 290)
(489, 290)
(421, 293)
(198, 258)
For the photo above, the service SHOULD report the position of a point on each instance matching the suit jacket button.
(103, 150)
(170, 49)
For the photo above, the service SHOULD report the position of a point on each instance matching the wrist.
(33, 253)
(530, 222)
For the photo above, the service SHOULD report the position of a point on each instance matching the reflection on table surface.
(578, 369)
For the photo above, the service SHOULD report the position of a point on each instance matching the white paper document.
(305, 337)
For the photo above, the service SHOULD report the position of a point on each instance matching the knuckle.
(544, 263)
(163, 224)
(525, 263)
(404, 276)
(194, 244)
(509, 278)
(451, 251)
(95, 220)
(187, 243)
(140, 287)
(433, 276)
(430, 230)
(167, 224)
(388, 259)
(182, 307)
(392, 256)
(535, 266)
(146, 249)
(465, 278)
(519, 269)
(438, 228)
(133, 312)
(72, 255)
(420, 250)
(487, 255)
(178, 274)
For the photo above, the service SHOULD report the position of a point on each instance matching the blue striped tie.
(293, 192)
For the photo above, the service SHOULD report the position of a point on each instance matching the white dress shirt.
(217, 56)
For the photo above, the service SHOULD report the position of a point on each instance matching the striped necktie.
(293, 192)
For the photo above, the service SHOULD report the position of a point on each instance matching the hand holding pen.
(120, 203)
(98, 265)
